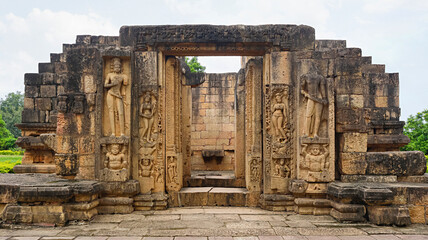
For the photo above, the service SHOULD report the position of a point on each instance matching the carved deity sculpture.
(145, 167)
(255, 167)
(147, 110)
(281, 169)
(279, 114)
(315, 159)
(114, 82)
(172, 170)
(115, 159)
(313, 88)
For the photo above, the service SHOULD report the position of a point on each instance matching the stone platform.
(225, 223)
(209, 196)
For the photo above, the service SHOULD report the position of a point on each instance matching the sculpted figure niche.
(313, 88)
(114, 82)
(115, 158)
(315, 161)
(147, 110)
(279, 114)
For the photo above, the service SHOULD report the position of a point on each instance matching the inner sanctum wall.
(306, 125)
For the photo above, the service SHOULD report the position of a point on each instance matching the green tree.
(11, 108)
(194, 65)
(7, 141)
(416, 129)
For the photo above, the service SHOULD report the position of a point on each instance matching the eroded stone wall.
(213, 123)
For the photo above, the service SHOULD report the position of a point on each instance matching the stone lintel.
(285, 37)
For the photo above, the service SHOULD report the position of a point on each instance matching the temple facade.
(116, 124)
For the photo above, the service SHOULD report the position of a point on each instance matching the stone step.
(214, 179)
(210, 196)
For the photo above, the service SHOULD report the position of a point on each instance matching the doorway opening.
(213, 126)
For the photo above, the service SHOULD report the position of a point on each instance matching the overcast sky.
(393, 32)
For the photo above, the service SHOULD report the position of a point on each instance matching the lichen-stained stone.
(396, 163)
(352, 163)
(128, 188)
(353, 142)
(48, 91)
(124, 107)
(66, 164)
(389, 215)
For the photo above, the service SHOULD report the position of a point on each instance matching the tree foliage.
(416, 129)
(7, 141)
(194, 65)
(11, 108)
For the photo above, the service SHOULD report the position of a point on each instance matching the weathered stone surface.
(293, 38)
(396, 163)
(127, 107)
(381, 215)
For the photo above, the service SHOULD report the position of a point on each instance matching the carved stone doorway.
(213, 133)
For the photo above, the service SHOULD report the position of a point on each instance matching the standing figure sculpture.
(313, 87)
(114, 82)
(147, 110)
(279, 114)
(172, 170)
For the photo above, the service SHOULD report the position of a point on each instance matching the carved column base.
(153, 201)
(277, 202)
(310, 206)
(115, 205)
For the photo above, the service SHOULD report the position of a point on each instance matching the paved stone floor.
(217, 223)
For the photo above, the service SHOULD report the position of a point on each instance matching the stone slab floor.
(216, 223)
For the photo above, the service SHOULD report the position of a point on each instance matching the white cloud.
(27, 40)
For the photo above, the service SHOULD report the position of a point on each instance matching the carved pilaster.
(279, 138)
(174, 166)
(253, 79)
(316, 126)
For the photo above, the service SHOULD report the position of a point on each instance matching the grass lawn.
(8, 161)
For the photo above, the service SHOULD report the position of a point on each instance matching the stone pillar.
(253, 129)
(279, 131)
(174, 165)
(316, 137)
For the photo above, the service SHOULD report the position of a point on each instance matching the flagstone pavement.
(213, 223)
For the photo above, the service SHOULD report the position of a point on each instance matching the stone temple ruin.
(120, 124)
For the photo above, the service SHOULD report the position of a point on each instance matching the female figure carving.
(279, 114)
(147, 110)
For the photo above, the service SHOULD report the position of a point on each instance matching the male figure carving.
(313, 88)
(115, 159)
(114, 82)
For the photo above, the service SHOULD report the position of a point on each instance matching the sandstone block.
(32, 79)
(381, 102)
(46, 68)
(128, 188)
(382, 215)
(30, 116)
(347, 216)
(342, 101)
(353, 142)
(89, 84)
(396, 163)
(32, 91)
(417, 214)
(357, 101)
(119, 209)
(352, 163)
(47, 91)
(29, 103)
(44, 104)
